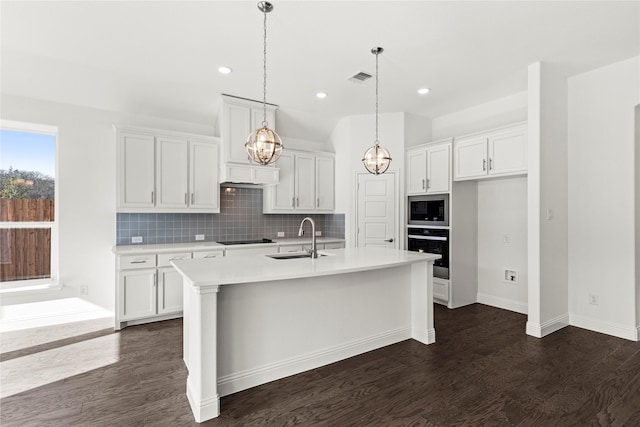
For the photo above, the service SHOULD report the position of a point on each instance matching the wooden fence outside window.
(25, 253)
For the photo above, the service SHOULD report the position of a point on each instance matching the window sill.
(11, 289)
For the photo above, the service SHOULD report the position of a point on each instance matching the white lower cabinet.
(147, 294)
(137, 297)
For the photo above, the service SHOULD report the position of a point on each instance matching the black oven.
(434, 241)
(429, 210)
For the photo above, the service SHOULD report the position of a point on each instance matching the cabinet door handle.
(293, 202)
(318, 202)
(424, 183)
(298, 201)
(152, 198)
(155, 281)
(490, 163)
(428, 184)
(193, 198)
(484, 165)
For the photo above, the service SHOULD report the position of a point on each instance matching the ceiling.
(161, 58)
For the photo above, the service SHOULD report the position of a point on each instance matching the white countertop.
(261, 268)
(196, 246)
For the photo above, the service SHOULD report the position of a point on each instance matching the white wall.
(499, 112)
(502, 210)
(87, 188)
(602, 172)
(547, 194)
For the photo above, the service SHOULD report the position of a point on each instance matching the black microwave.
(429, 210)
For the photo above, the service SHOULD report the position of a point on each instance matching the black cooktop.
(246, 242)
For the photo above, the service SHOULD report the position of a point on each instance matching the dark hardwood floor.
(483, 370)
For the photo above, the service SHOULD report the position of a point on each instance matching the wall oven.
(429, 210)
(435, 241)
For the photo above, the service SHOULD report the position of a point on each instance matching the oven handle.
(427, 237)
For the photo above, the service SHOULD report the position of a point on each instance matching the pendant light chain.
(264, 69)
(376, 142)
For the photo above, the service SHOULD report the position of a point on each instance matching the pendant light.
(263, 144)
(376, 159)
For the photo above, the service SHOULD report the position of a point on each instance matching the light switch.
(549, 214)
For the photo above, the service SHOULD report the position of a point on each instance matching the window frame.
(53, 281)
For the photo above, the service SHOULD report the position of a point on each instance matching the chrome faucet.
(314, 249)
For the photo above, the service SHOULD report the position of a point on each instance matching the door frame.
(399, 207)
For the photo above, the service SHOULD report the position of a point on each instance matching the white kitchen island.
(253, 319)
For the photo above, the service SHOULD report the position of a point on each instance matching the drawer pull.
(142, 261)
(211, 256)
(176, 258)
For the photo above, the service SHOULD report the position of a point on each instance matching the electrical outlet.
(199, 236)
(511, 276)
(549, 214)
(280, 233)
(84, 290)
(136, 239)
(506, 238)
(594, 299)
(318, 233)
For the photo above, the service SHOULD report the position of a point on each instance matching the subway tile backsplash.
(240, 218)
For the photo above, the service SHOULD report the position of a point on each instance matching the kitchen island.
(249, 320)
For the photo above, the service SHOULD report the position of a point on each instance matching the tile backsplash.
(240, 218)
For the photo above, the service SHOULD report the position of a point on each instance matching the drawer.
(128, 262)
(208, 254)
(334, 245)
(441, 289)
(165, 259)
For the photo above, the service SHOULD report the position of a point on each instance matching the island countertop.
(261, 268)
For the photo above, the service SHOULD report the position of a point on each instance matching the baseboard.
(203, 410)
(540, 330)
(243, 380)
(604, 327)
(504, 303)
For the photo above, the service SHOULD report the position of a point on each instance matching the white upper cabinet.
(306, 184)
(136, 170)
(173, 169)
(325, 183)
(429, 168)
(203, 179)
(499, 152)
(238, 118)
(161, 171)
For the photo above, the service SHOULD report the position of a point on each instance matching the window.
(28, 224)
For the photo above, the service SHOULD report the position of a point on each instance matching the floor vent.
(360, 77)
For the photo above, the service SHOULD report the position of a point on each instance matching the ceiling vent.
(360, 77)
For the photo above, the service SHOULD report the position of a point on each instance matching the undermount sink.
(293, 255)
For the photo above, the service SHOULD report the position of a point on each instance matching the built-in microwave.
(429, 210)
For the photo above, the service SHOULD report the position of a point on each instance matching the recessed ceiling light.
(321, 95)
(224, 70)
(424, 91)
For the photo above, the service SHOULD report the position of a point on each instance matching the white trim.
(29, 286)
(604, 327)
(540, 330)
(504, 303)
(203, 409)
(29, 127)
(243, 380)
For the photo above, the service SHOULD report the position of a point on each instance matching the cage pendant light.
(263, 144)
(376, 159)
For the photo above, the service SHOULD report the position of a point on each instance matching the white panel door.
(137, 294)
(136, 171)
(203, 175)
(172, 165)
(283, 194)
(325, 184)
(305, 182)
(376, 211)
(470, 159)
(417, 171)
(438, 169)
(508, 153)
(237, 127)
(170, 292)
